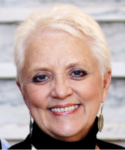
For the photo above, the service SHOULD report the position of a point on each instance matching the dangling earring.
(31, 130)
(31, 126)
(101, 120)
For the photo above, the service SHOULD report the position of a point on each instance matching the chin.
(67, 133)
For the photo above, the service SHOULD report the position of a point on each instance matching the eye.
(79, 73)
(40, 78)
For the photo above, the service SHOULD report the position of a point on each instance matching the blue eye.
(79, 73)
(40, 78)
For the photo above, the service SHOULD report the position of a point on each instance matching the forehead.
(58, 49)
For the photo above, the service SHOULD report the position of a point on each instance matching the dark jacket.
(0, 145)
(40, 140)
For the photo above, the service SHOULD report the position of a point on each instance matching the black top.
(43, 141)
(0, 145)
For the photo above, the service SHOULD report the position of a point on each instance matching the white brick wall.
(14, 116)
(37, 3)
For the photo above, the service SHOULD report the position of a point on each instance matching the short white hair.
(67, 18)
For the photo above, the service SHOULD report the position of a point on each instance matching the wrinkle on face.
(57, 54)
(51, 51)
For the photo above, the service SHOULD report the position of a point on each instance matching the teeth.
(58, 109)
(53, 109)
(70, 108)
(76, 106)
(64, 109)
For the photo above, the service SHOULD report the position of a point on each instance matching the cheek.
(90, 90)
(90, 94)
(36, 96)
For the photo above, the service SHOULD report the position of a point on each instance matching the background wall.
(110, 14)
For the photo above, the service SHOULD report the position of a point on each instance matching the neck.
(39, 139)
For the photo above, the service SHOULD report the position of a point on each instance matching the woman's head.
(66, 18)
(61, 78)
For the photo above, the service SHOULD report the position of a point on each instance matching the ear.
(21, 90)
(106, 84)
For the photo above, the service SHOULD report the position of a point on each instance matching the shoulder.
(107, 145)
(22, 145)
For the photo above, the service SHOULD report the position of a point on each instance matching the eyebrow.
(47, 68)
(74, 64)
(67, 66)
(40, 68)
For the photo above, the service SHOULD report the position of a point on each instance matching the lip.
(63, 106)
(64, 113)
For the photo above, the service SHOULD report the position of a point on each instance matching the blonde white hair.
(66, 18)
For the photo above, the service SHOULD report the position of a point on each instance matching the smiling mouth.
(64, 109)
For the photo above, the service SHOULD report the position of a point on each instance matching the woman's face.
(62, 85)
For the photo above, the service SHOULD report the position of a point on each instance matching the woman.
(63, 72)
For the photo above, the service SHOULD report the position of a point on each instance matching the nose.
(61, 89)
